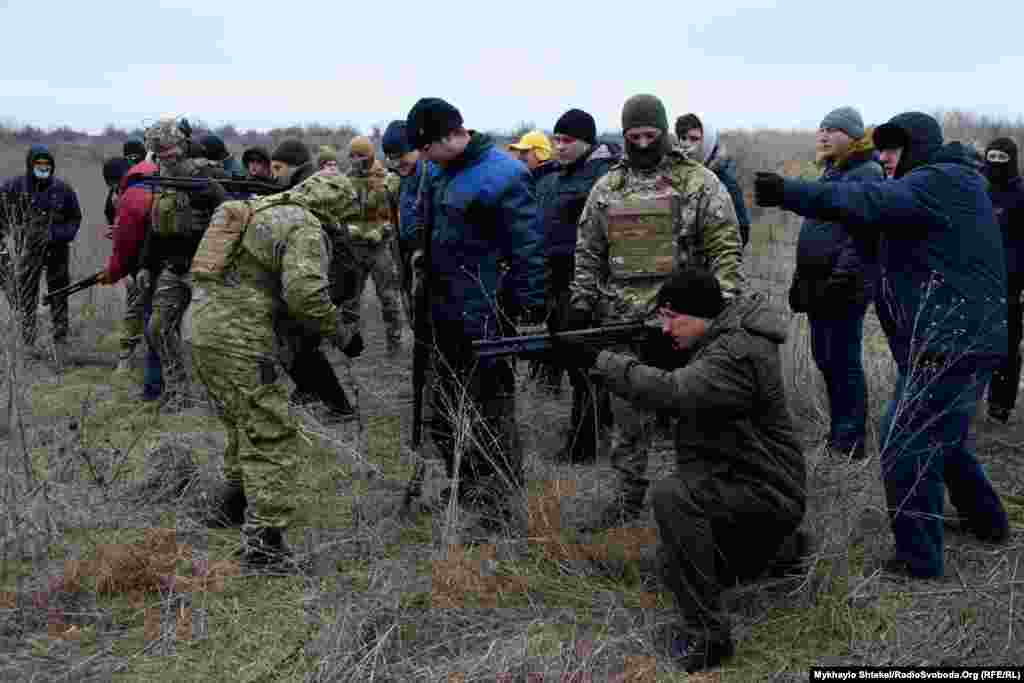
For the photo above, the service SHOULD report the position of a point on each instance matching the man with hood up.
(581, 161)
(39, 218)
(834, 281)
(306, 363)
(370, 234)
(217, 151)
(277, 265)
(942, 305)
(732, 507)
(701, 139)
(1006, 188)
(656, 211)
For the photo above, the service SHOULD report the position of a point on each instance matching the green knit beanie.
(644, 110)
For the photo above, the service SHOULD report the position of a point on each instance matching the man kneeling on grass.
(739, 494)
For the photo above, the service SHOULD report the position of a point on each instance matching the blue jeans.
(924, 445)
(837, 346)
(152, 373)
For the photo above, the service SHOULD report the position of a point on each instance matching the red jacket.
(130, 223)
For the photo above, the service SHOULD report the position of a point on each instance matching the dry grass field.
(106, 574)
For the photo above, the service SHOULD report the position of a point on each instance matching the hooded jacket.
(729, 399)
(835, 271)
(713, 156)
(51, 202)
(409, 219)
(131, 221)
(561, 197)
(483, 210)
(1007, 195)
(278, 269)
(942, 289)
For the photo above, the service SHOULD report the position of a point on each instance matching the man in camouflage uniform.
(179, 220)
(656, 211)
(276, 266)
(371, 233)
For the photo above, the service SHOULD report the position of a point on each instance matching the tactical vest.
(641, 238)
(171, 214)
(376, 218)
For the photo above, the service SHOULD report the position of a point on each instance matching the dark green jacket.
(729, 399)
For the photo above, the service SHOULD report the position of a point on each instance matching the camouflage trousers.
(265, 448)
(20, 278)
(133, 326)
(375, 260)
(171, 296)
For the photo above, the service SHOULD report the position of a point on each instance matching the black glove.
(844, 290)
(579, 319)
(355, 346)
(769, 189)
(533, 316)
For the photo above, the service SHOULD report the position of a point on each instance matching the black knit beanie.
(135, 148)
(644, 110)
(578, 124)
(430, 120)
(692, 291)
(215, 148)
(255, 154)
(114, 169)
(292, 152)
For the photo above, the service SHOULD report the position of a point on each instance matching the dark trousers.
(591, 402)
(23, 288)
(837, 346)
(1006, 379)
(314, 376)
(716, 531)
(473, 408)
(924, 444)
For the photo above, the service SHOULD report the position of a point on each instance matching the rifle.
(74, 287)
(421, 349)
(199, 184)
(541, 345)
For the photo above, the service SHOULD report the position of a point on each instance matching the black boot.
(264, 551)
(697, 653)
(229, 511)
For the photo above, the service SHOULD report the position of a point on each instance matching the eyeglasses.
(997, 156)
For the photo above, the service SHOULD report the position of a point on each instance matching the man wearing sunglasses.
(482, 211)
(1006, 188)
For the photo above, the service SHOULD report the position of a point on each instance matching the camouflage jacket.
(639, 226)
(377, 196)
(278, 269)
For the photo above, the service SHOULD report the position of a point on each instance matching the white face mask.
(41, 173)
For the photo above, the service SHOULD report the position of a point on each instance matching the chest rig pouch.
(641, 238)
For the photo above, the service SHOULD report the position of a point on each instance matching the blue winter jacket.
(483, 211)
(52, 200)
(725, 169)
(409, 219)
(561, 197)
(835, 270)
(943, 275)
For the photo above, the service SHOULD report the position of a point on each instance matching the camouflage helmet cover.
(164, 133)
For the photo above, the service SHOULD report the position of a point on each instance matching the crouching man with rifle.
(731, 509)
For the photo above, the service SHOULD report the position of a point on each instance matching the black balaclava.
(1001, 173)
(641, 111)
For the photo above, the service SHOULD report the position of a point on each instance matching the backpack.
(219, 245)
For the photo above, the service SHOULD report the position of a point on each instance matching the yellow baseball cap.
(535, 140)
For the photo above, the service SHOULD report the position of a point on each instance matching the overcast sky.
(740, 63)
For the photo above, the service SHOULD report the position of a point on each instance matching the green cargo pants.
(265, 449)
